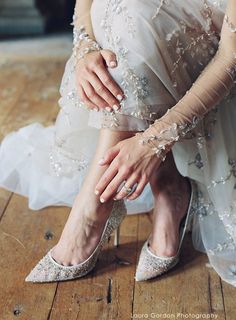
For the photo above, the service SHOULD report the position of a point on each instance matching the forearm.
(212, 85)
(82, 16)
(83, 36)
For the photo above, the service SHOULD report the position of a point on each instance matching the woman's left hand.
(128, 161)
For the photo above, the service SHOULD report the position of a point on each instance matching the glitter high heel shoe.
(151, 265)
(48, 270)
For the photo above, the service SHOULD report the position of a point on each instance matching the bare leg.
(171, 197)
(86, 221)
(87, 218)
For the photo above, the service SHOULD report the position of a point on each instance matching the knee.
(120, 20)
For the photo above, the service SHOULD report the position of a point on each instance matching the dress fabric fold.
(161, 48)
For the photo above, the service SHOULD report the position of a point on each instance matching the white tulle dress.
(161, 46)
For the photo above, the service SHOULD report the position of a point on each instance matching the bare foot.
(87, 219)
(171, 197)
(83, 229)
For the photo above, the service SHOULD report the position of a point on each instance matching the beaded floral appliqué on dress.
(132, 83)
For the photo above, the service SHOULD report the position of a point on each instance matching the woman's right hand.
(96, 88)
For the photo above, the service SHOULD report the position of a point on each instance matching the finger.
(106, 178)
(139, 189)
(85, 99)
(112, 187)
(109, 57)
(128, 184)
(93, 97)
(109, 155)
(102, 90)
(111, 85)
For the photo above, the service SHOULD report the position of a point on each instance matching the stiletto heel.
(49, 270)
(151, 265)
(117, 237)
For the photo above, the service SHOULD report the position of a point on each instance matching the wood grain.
(29, 93)
(107, 292)
(187, 289)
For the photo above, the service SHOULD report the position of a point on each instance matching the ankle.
(167, 181)
(97, 214)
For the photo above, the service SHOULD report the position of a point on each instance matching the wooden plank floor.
(29, 93)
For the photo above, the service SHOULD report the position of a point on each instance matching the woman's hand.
(128, 161)
(96, 88)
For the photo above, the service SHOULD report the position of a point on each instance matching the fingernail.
(112, 63)
(96, 192)
(115, 107)
(119, 97)
(102, 200)
(108, 109)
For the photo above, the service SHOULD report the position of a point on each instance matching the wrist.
(84, 49)
(160, 138)
(83, 43)
(155, 144)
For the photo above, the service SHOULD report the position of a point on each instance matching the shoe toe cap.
(42, 272)
(150, 267)
(142, 275)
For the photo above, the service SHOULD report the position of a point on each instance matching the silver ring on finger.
(127, 189)
(133, 188)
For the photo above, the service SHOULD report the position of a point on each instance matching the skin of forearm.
(82, 16)
(208, 90)
(212, 85)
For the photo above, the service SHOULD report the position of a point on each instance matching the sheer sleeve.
(83, 36)
(82, 16)
(214, 83)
